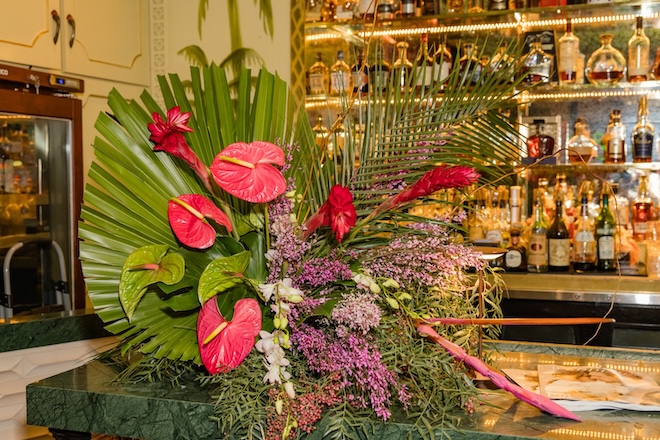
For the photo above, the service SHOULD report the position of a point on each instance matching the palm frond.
(266, 16)
(201, 15)
(194, 55)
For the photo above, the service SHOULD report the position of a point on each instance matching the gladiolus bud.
(393, 303)
(291, 194)
(292, 218)
(284, 323)
(374, 287)
(404, 296)
(290, 391)
(277, 322)
(279, 405)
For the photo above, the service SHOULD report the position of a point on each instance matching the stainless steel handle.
(58, 22)
(72, 23)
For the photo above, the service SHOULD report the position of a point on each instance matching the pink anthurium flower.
(188, 215)
(168, 137)
(337, 212)
(246, 171)
(223, 345)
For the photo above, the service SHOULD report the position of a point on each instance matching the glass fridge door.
(35, 210)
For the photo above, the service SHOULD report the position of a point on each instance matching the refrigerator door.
(40, 191)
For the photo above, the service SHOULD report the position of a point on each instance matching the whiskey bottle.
(584, 243)
(319, 77)
(321, 133)
(379, 73)
(401, 67)
(537, 64)
(407, 8)
(559, 242)
(638, 54)
(340, 76)
(642, 210)
(360, 75)
(621, 207)
(502, 61)
(469, 64)
(569, 51)
(581, 147)
(515, 259)
(424, 64)
(616, 139)
(643, 133)
(605, 233)
(540, 144)
(537, 258)
(444, 59)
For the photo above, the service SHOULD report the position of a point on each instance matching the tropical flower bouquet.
(222, 245)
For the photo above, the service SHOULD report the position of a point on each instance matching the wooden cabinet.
(94, 38)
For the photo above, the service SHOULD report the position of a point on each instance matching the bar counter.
(86, 400)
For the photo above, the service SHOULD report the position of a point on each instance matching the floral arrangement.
(211, 250)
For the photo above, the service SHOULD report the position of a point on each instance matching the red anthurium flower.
(176, 122)
(337, 212)
(247, 172)
(430, 182)
(223, 345)
(187, 215)
(168, 137)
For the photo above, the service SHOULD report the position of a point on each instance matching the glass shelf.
(554, 92)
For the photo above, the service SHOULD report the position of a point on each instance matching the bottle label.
(559, 252)
(615, 149)
(513, 259)
(606, 247)
(538, 250)
(444, 70)
(339, 83)
(494, 235)
(380, 79)
(360, 80)
(568, 55)
(643, 146)
(640, 228)
(316, 86)
(425, 75)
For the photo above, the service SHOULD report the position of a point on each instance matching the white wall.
(181, 31)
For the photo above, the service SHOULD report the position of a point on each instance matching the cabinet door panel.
(26, 33)
(110, 41)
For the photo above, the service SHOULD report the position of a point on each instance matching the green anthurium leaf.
(228, 299)
(256, 243)
(183, 302)
(229, 245)
(222, 274)
(146, 266)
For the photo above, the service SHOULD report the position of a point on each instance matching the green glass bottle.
(559, 241)
(605, 236)
(537, 257)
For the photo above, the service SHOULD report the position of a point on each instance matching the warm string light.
(555, 22)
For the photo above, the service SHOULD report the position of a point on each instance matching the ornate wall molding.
(158, 14)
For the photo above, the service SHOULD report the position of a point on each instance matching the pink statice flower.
(357, 311)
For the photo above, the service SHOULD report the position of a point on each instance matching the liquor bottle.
(379, 73)
(584, 243)
(643, 133)
(638, 54)
(615, 151)
(540, 144)
(444, 59)
(498, 5)
(469, 64)
(581, 147)
(515, 259)
(385, 10)
(502, 61)
(605, 233)
(559, 241)
(455, 6)
(401, 67)
(537, 258)
(642, 210)
(319, 77)
(569, 50)
(621, 207)
(340, 76)
(606, 65)
(320, 133)
(424, 64)
(360, 75)
(654, 72)
(537, 64)
(407, 8)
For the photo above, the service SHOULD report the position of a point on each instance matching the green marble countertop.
(49, 329)
(86, 400)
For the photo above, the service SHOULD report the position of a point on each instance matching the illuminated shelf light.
(519, 22)
(594, 94)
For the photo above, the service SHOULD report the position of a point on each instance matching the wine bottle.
(642, 210)
(638, 54)
(569, 50)
(605, 233)
(584, 245)
(537, 259)
(340, 76)
(643, 133)
(559, 242)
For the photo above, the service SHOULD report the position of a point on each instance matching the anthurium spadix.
(146, 266)
(246, 171)
(188, 216)
(223, 344)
